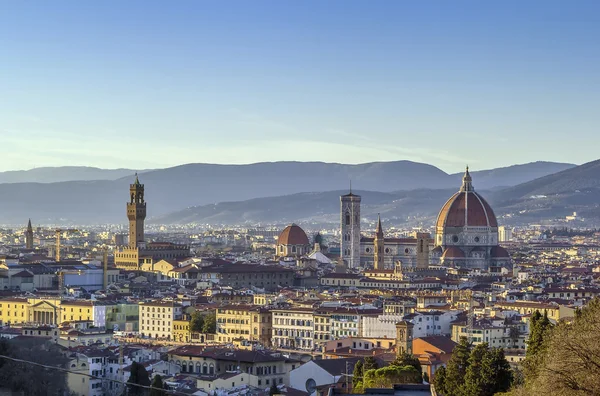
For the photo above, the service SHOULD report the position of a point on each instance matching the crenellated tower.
(379, 242)
(136, 213)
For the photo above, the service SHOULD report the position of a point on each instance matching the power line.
(89, 375)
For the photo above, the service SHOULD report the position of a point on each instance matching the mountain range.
(576, 189)
(256, 192)
(63, 173)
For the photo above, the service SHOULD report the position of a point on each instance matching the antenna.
(350, 186)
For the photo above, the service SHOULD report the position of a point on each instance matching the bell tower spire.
(29, 236)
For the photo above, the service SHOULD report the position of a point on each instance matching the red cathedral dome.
(466, 208)
(292, 235)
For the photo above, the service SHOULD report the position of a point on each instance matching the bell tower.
(350, 229)
(404, 337)
(136, 213)
(29, 236)
(379, 245)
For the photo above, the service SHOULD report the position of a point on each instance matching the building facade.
(157, 317)
(293, 328)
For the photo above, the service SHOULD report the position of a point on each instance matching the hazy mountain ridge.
(169, 190)
(63, 174)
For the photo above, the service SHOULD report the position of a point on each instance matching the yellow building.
(14, 310)
(247, 322)
(51, 310)
(182, 330)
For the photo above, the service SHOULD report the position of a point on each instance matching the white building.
(293, 328)
(317, 373)
(156, 318)
(432, 323)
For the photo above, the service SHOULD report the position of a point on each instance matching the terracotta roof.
(453, 252)
(292, 235)
(466, 208)
(442, 343)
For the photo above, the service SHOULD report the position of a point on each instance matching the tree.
(439, 380)
(539, 330)
(138, 376)
(17, 376)
(274, 390)
(474, 381)
(197, 322)
(496, 371)
(158, 387)
(357, 373)
(386, 377)
(457, 368)
(407, 359)
(210, 323)
(370, 363)
(569, 360)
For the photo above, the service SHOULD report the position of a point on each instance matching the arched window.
(211, 369)
(205, 368)
(347, 218)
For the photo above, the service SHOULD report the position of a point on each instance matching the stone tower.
(379, 245)
(350, 229)
(423, 250)
(136, 213)
(404, 337)
(29, 236)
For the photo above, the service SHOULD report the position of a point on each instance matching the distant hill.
(583, 177)
(168, 190)
(514, 175)
(318, 208)
(63, 173)
(573, 190)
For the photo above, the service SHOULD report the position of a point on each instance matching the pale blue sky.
(143, 84)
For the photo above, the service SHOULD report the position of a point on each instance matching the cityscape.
(263, 198)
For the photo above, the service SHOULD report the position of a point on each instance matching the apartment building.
(293, 328)
(157, 317)
(244, 321)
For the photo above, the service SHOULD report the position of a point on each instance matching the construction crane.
(58, 232)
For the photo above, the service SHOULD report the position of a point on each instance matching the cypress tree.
(496, 372)
(357, 373)
(439, 380)
(474, 381)
(158, 387)
(457, 368)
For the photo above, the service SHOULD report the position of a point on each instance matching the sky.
(148, 84)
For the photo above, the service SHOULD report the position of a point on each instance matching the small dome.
(499, 252)
(292, 235)
(453, 252)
